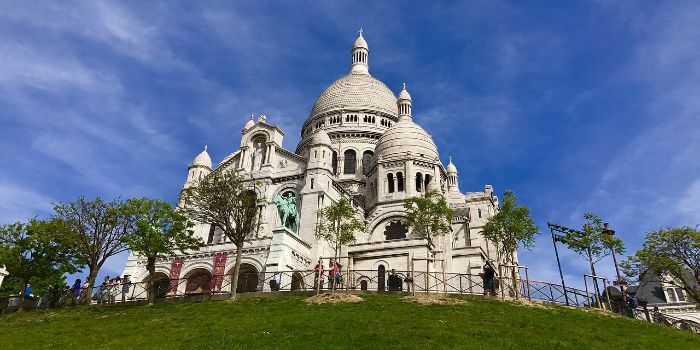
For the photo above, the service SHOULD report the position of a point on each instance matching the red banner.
(175, 269)
(218, 273)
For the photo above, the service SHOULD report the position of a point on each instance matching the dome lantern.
(404, 103)
(360, 55)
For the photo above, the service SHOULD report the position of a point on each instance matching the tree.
(428, 216)
(39, 249)
(510, 227)
(674, 251)
(591, 243)
(158, 232)
(337, 225)
(98, 228)
(224, 199)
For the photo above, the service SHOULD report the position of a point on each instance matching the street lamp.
(620, 282)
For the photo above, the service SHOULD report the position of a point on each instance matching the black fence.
(308, 281)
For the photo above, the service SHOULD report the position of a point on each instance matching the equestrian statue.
(287, 210)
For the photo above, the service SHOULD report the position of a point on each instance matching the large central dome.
(355, 92)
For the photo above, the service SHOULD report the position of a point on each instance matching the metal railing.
(308, 281)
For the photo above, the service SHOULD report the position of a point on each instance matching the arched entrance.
(198, 281)
(381, 278)
(363, 285)
(247, 279)
(297, 281)
(161, 284)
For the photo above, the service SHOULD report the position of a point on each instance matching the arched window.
(334, 162)
(427, 181)
(419, 182)
(349, 164)
(399, 182)
(390, 184)
(479, 211)
(366, 160)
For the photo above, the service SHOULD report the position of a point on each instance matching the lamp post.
(620, 282)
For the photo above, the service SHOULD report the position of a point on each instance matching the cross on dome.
(360, 31)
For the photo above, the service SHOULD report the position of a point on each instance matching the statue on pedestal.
(287, 210)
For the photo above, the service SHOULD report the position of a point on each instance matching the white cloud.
(18, 203)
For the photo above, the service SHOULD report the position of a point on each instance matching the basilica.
(360, 141)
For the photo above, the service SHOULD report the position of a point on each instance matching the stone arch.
(380, 221)
(161, 282)
(297, 282)
(248, 278)
(349, 161)
(381, 277)
(198, 281)
(143, 277)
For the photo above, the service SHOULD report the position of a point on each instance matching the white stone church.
(360, 141)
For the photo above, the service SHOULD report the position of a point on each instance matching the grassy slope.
(381, 321)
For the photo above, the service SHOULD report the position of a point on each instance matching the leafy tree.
(591, 243)
(674, 251)
(99, 230)
(12, 285)
(428, 216)
(39, 249)
(510, 227)
(337, 225)
(228, 201)
(158, 232)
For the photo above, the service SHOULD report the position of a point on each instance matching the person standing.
(319, 274)
(75, 290)
(126, 285)
(488, 276)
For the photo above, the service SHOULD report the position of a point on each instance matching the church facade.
(360, 141)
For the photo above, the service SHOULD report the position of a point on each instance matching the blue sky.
(575, 106)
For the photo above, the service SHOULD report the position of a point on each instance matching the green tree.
(98, 229)
(428, 216)
(39, 249)
(674, 251)
(228, 201)
(510, 227)
(158, 232)
(337, 225)
(591, 243)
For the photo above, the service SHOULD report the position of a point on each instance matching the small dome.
(249, 124)
(202, 159)
(360, 42)
(404, 95)
(406, 136)
(451, 168)
(320, 137)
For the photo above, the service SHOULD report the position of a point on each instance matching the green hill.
(381, 321)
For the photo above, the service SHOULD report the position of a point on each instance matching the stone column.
(409, 179)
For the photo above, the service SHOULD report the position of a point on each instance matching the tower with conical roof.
(199, 168)
(360, 56)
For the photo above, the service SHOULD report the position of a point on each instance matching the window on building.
(390, 182)
(366, 160)
(679, 294)
(312, 184)
(479, 212)
(334, 162)
(671, 295)
(349, 163)
(419, 182)
(427, 182)
(399, 182)
(210, 239)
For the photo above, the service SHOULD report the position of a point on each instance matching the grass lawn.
(381, 321)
